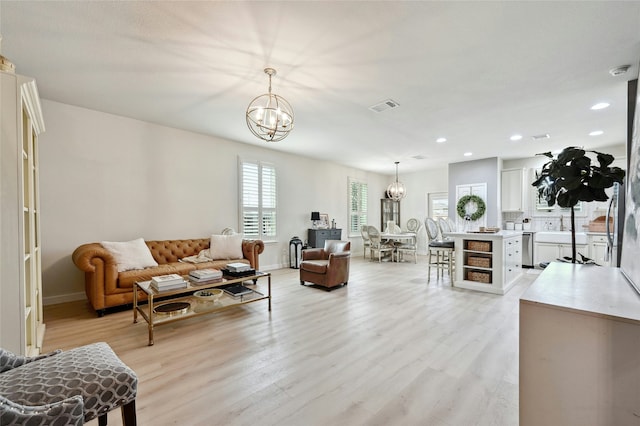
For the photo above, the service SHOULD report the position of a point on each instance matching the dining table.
(398, 238)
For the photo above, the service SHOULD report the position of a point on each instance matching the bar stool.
(442, 250)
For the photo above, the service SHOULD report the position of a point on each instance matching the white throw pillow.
(226, 247)
(130, 254)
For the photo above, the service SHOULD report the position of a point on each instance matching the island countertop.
(589, 289)
(484, 235)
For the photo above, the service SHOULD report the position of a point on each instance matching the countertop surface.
(596, 290)
(484, 235)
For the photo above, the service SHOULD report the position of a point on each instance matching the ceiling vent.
(419, 157)
(619, 70)
(542, 136)
(384, 105)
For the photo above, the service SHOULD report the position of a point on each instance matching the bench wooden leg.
(102, 420)
(129, 414)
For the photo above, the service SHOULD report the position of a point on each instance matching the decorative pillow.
(226, 247)
(130, 255)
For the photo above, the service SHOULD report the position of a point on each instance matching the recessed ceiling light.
(600, 105)
(468, 154)
(515, 137)
(596, 133)
(441, 140)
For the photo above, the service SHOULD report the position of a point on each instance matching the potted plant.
(571, 178)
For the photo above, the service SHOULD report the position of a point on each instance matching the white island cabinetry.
(579, 346)
(487, 262)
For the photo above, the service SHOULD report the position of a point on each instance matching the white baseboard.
(63, 298)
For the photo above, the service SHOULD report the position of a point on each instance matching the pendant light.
(396, 191)
(269, 116)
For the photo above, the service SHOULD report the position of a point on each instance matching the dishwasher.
(527, 249)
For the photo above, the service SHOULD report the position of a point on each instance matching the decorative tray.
(172, 308)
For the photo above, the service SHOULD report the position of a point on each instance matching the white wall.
(477, 171)
(106, 177)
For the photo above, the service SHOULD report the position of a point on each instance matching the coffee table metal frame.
(146, 309)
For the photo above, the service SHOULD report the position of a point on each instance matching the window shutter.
(259, 200)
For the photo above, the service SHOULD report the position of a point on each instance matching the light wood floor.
(388, 349)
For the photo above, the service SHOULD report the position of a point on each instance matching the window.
(438, 205)
(357, 206)
(258, 200)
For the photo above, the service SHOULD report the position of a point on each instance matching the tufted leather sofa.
(106, 287)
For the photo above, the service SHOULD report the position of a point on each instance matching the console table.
(317, 237)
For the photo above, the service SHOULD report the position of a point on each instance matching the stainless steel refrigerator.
(615, 212)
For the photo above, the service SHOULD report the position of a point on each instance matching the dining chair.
(377, 246)
(413, 225)
(452, 224)
(366, 241)
(442, 250)
(409, 246)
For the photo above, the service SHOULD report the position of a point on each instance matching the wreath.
(462, 207)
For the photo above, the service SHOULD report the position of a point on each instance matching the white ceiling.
(473, 72)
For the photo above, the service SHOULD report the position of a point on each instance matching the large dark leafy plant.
(572, 178)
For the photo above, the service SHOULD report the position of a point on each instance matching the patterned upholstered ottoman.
(64, 387)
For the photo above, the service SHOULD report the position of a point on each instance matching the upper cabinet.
(513, 192)
(21, 324)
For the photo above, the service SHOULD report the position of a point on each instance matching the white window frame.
(359, 212)
(261, 209)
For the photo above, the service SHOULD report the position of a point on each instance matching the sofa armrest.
(338, 269)
(313, 254)
(86, 255)
(251, 249)
(9, 360)
(338, 257)
(69, 411)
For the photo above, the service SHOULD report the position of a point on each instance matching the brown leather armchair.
(327, 267)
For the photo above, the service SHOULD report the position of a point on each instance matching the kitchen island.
(489, 262)
(579, 346)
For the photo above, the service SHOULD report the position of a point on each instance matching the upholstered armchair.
(327, 267)
(66, 388)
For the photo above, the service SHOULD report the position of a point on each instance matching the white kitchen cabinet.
(512, 190)
(548, 252)
(598, 249)
(512, 258)
(21, 323)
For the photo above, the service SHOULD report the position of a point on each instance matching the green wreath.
(462, 207)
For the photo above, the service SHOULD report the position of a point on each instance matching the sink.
(559, 237)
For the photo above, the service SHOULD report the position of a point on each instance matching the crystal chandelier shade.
(396, 190)
(269, 116)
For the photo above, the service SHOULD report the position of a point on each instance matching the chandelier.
(269, 116)
(396, 191)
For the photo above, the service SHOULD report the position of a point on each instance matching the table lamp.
(315, 218)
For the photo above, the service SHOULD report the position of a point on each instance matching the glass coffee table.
(186, 305)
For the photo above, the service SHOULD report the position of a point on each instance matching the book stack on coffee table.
(205, 276)
(168, 282)
(239, 270)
